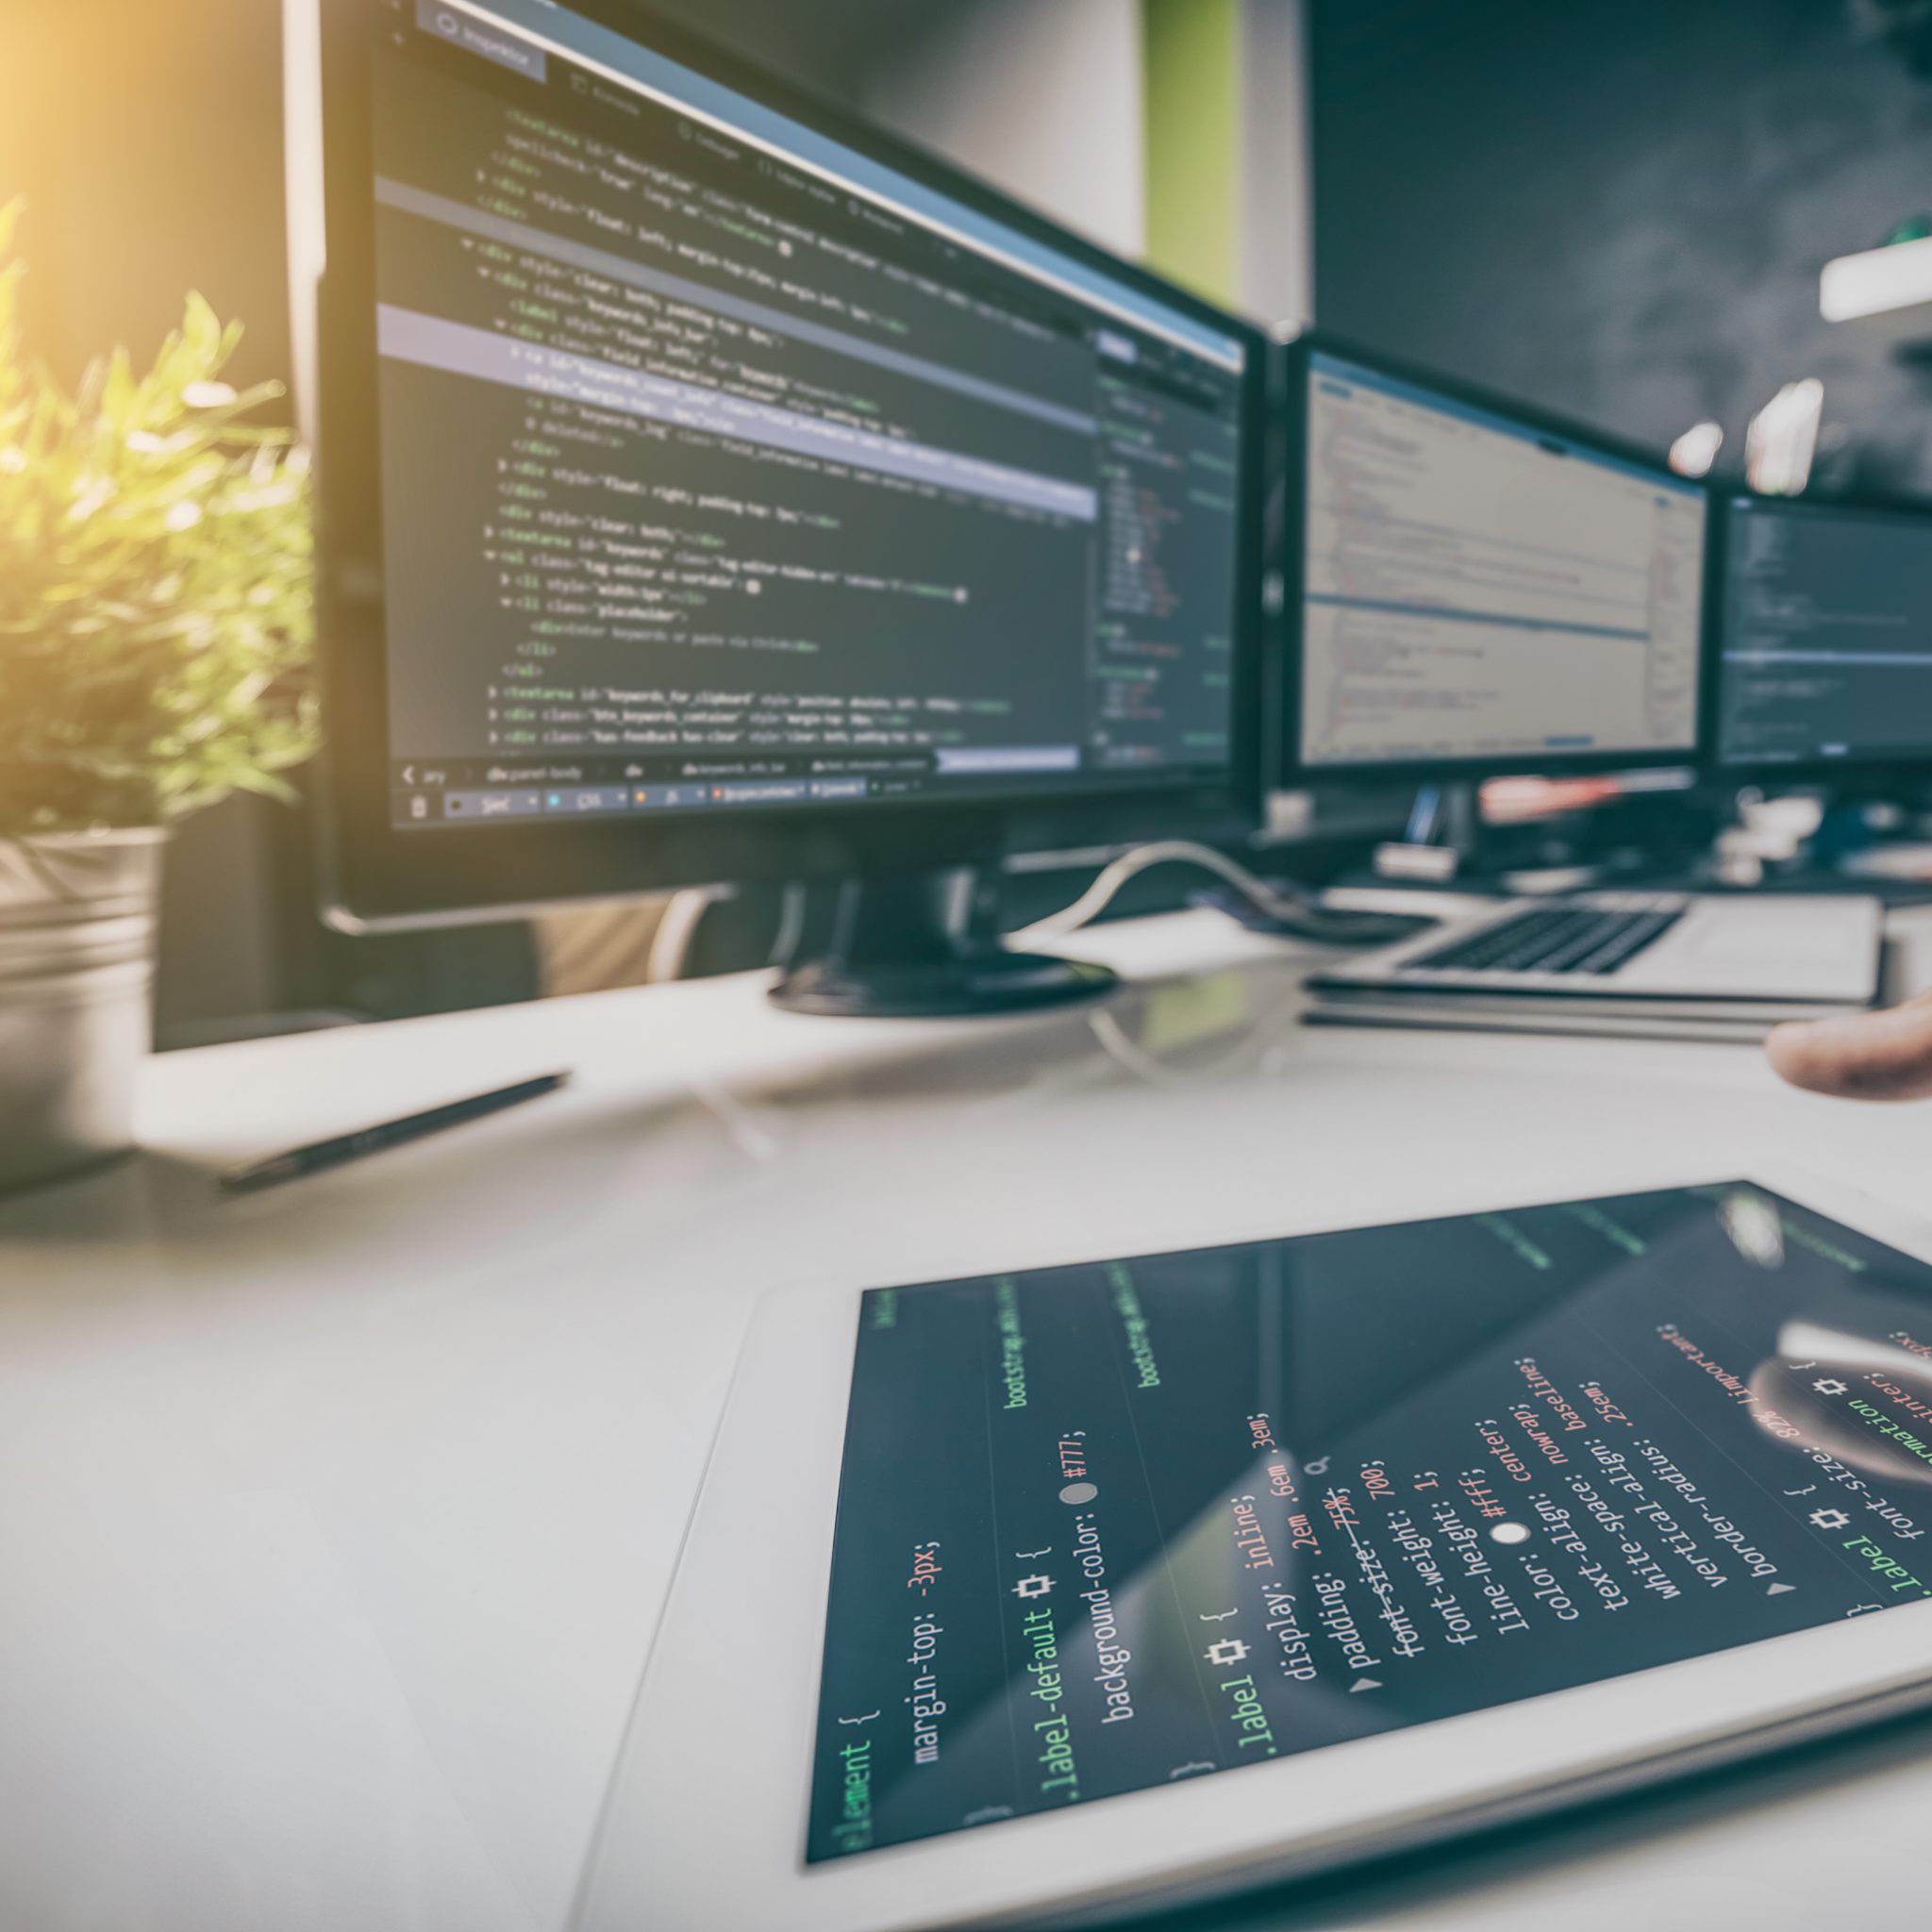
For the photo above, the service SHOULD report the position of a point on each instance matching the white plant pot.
(76, 969)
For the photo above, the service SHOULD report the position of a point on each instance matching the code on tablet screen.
(1107, 1527)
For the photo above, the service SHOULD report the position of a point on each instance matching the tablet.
(1101, 1583)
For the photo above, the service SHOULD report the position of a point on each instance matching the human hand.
(1883, 1055)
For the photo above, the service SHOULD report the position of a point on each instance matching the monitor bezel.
(1286, 700)
(1881, 771)
(377, 876)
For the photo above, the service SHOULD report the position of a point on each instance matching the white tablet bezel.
(706, 1818)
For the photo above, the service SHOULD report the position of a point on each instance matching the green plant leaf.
(155, 596)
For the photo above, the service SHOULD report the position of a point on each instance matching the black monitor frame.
(1884, 772)
(1284, 701)
(377, 877)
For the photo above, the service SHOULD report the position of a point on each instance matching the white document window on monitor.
(1479, 590)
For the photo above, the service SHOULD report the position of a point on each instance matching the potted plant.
(155, 634)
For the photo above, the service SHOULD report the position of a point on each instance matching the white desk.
(334, 1520)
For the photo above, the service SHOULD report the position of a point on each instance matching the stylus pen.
(346, 1147)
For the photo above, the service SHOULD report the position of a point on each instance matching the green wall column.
(1192, 68)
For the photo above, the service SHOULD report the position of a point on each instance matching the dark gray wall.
(1621, 213)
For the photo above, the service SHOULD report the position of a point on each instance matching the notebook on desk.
(1659, 964)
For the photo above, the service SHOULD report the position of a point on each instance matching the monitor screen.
(1480, 591)
(726, 467)
(1826, 630)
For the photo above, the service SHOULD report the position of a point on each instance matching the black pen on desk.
(345, 1147)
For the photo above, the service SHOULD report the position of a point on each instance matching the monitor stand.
(926, 946)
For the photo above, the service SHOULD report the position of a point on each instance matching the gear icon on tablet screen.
(1829, 1385)
(1829, 1519)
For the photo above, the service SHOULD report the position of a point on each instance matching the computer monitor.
(1483, 590)
(1824, 628)
(714, 490)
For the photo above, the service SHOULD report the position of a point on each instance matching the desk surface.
(337, 1518)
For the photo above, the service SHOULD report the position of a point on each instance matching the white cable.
(1295, 914)
(1101, 894)
(791, 914)
(671, 943)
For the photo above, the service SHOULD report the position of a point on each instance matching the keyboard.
(1556, 939)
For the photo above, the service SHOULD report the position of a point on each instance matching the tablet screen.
(1108, 1528)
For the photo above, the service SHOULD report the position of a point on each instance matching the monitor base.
(994, 982)
(922, 947)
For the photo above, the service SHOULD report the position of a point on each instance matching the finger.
(1862, 1056)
